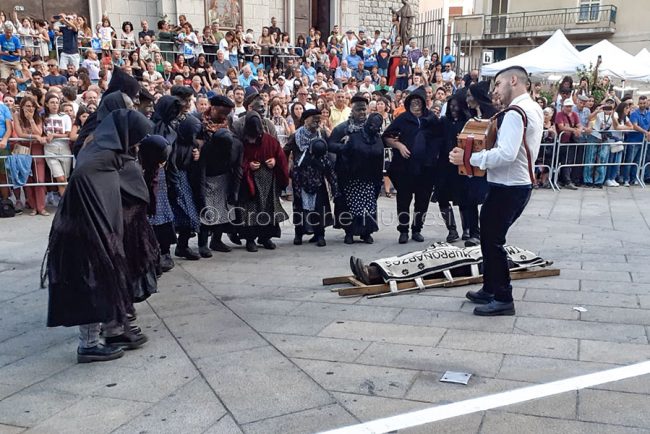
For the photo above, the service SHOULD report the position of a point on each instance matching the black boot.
(320, 242)
(367, 239)
(349, 239)
(251, 246)
(267, 244)
(450, 221)
(417, 236)
(217, 245)
(297, 239)
(403, 238)
(204, 234)
(184, 251)
(234, 238)
(99, 353)
(166, 262)
(464, 223)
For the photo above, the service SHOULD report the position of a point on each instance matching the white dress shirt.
(506, 163)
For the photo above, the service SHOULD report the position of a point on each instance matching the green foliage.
(598, 91)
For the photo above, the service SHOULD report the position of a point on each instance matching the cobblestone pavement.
(252, 343)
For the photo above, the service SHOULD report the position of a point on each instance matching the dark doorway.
(45, 9)
(320, 17)
(499, 19)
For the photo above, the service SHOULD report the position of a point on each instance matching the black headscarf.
(123, 82)
(121, 130)
(167, 110)
(187, 131)
(108, 103)
(480, 92)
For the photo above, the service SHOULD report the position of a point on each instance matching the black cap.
(358, 98)
(145, 95)
(309, 113)
(250, 98)
(181, 91)
(221, 101)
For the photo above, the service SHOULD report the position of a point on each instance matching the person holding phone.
(10, 51)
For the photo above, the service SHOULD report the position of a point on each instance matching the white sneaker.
(609, 183)
(626, 184)
(616, 184)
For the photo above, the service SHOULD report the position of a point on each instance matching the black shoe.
(321, 242)
(403, 238)
(166, 262)
(479, 297)
(268, 244)
(99, 353)
(251, 246)
(349, 239)
(452, 236)
(131, 317)
(127, 341)
(368, 239)
(187, 253)
(598, 186)
(495, 308)
(297, 240)
(234, 238)
(465, 235)
(218, 246)
(416, 236)
(205, 252)
(313, 239)
(471, 242)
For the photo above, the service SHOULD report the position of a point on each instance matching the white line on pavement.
(497, 400)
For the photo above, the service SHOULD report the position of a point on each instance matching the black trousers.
(411, 188)
(501, 209)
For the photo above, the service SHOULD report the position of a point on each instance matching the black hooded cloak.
(94, 269)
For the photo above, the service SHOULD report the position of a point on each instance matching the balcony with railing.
(587, 19)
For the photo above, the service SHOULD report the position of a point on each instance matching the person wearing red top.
(567, 122)
(265, 175)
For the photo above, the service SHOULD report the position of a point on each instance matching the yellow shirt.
(339, 116)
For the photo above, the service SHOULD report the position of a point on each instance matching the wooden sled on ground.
(359, 288)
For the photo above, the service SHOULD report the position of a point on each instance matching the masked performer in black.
(448, 181)
(165, 118)
(474, 189)
(312, 170)
(182, 176)
(102, 252)
(359, 170)
(121, 92)
(220, 167)
(265, 174)
(417, 136)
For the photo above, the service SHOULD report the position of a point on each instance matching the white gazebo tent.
(555, 56)
(643, 64)
(615, 61)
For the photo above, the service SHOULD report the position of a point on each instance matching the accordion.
(477, 134)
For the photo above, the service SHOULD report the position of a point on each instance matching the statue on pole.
(406, 21)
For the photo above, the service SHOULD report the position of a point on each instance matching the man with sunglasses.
(54, 77)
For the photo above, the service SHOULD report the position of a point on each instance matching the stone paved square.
(252, 343)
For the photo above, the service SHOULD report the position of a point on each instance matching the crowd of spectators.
(53, 73)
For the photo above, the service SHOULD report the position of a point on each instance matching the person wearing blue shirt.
(353, 60)
(10, 51)
(54, 78)
(448, 58)
(5, 132)
(369, 56)
(308, 70)
(640, 119)
(360, 72)
(246, 77)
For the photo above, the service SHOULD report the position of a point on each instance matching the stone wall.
(119, 11)
(375, 14)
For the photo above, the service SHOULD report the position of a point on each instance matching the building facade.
(293, 16)
(505, 28)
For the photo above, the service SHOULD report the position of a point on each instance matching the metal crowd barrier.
(572, 155)
(177, 48)
(35, 181)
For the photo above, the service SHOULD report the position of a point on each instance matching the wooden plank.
(336, 280)
(355, 282)
(438, 283)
